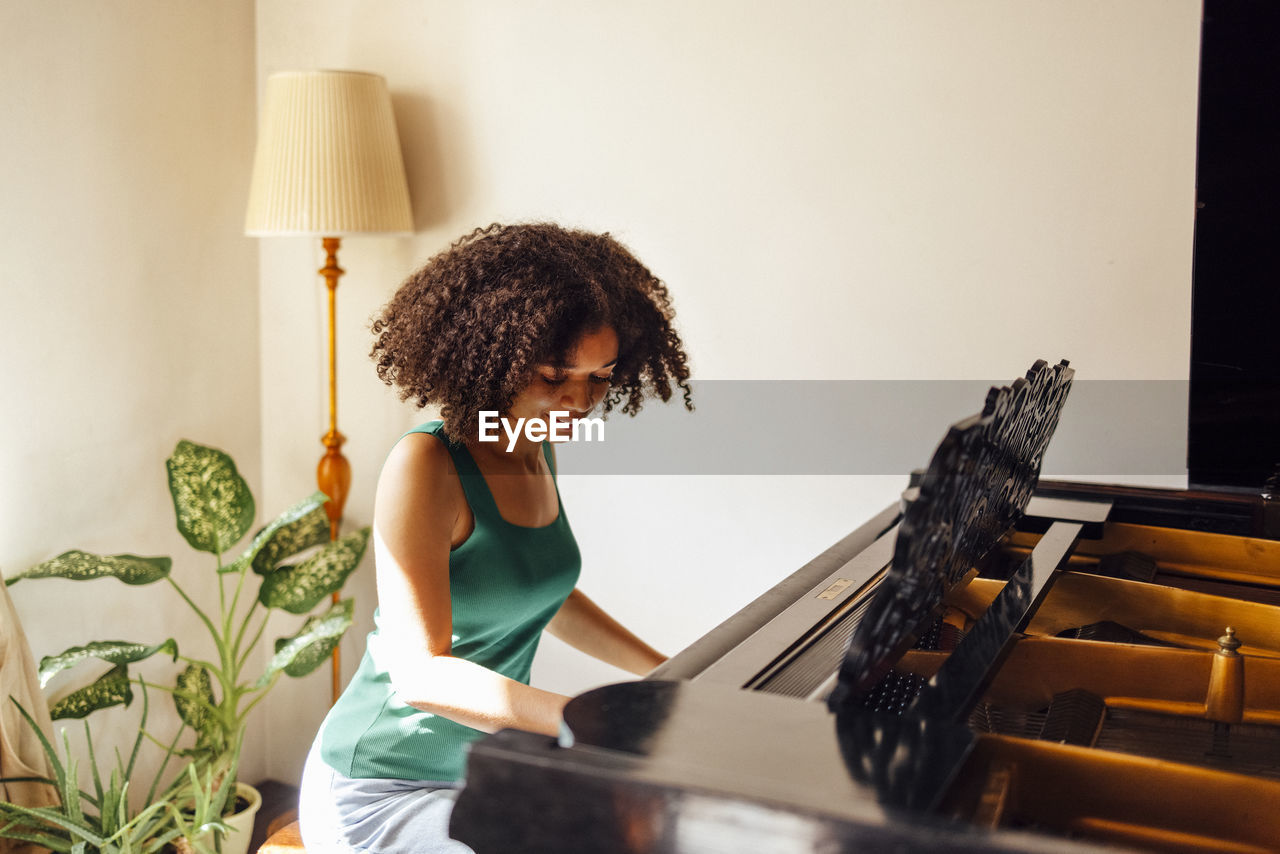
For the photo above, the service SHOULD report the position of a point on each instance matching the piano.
(994, 663)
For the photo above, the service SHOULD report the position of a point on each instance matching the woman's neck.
(524, 457)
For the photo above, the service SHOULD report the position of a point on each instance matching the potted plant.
(214, 511)
(103, 820)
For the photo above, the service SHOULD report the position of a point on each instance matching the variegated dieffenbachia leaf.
(311, 646)
(302, 526)
(112, 652)
(83, 566)
(112, 689)
(310, 530)
(298, 589)
(212, 502)
(194, 701)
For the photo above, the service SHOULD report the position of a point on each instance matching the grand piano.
(994, 663)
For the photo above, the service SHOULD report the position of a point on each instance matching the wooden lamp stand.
(333, 474)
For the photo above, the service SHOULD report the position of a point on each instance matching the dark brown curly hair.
(467, 329)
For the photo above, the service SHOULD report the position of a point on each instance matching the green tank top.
(506, 582)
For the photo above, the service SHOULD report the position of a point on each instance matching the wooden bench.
(275, 830)
(284, 837)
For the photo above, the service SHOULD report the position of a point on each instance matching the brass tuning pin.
(1229, 643)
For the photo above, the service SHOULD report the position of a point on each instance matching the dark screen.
(1234, 432)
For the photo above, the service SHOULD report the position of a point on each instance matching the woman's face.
(575, 386)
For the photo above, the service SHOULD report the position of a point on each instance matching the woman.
(474, 556)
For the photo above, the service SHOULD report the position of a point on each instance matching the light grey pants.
(341, 815)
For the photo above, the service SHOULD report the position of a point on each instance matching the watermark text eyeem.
(557, 427)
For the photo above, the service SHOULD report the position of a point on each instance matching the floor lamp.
(328, 165)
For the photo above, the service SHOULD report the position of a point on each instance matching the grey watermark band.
(851, 427)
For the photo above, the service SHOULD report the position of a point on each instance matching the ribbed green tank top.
(506, 582)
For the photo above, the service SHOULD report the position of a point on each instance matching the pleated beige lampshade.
(328, 160)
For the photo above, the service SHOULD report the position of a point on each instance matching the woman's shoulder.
(425, 446)
(419, 505)
(435, 427)
(420, 461)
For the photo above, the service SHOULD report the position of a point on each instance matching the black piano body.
(995, 664)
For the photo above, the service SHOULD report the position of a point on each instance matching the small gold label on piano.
(837, 587)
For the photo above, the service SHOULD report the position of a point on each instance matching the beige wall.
(128, 309)
(832, 189)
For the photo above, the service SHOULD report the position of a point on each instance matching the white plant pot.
(241, 823)
(237, 842)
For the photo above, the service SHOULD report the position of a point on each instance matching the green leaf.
(51, 817)
(307, 531)
(212, 502)
(298, 589)
(311, 646)
(112, 689)
(195, 702)
(302, 526)
(112, 652)
(14, 830)
(83, 566)
(70, 792)
(59, 771)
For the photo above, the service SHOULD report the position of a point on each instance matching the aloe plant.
(214, 510)
(103, 820)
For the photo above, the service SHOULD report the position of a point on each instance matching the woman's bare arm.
(419, 502)
(585, 626)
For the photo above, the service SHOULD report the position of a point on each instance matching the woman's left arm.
(585, 626)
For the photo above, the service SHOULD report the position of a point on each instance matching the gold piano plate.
(837, 587)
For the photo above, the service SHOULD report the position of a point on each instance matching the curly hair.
(467, 329)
